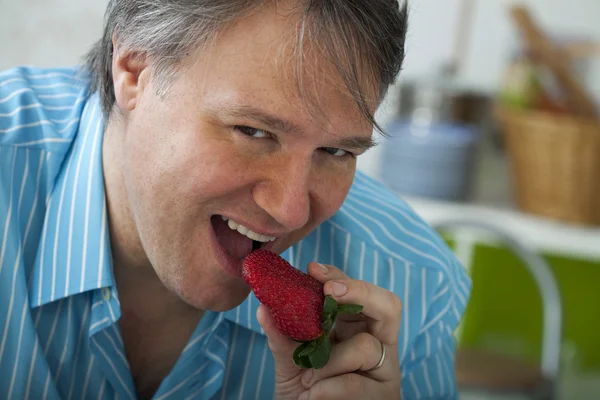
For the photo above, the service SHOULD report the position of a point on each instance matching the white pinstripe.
(87, 377)
(247, 366)
(215, 358)
(9, 216)
(42, 141)
(220, 340)
(50, 338)
(87, 204)
(405, 307)
(182, 383)
(98, 323)
(33, 358)
(361, 268)
(375, 268)
(65, 347)
(423, 295)
(116, 349)
(440, 373)
(317, 243)
(84, 322)
(443, 313)
(17, 262)
(394, 221)
(231, 352)
(72, 214)
(411, 379)
(57, 235)
(389, 235)
(19, 109)
(17, 359)
(102, 235)
(208, 383)
(116, 372)
(101, 391)
(346, 252)
(298, 253)
(262, 370)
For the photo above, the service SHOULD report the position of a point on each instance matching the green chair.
(496, 373)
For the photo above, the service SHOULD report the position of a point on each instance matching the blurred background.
(494, 139)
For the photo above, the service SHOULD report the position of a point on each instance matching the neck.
(126, 245)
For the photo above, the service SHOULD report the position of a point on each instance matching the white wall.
(493, 35)
(58, 32)
(48, 32)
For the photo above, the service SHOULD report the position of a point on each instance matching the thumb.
(281, 346)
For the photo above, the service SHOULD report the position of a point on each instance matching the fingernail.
(324, 268)
(339, 289)
(303, 396)
(307, 376)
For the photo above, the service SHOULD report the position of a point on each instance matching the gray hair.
(362, 38)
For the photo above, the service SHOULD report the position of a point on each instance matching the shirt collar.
(74, 253)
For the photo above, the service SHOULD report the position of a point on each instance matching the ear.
(130, 74)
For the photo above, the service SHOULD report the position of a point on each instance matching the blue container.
(435, 161)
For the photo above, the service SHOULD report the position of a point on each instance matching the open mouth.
(237, 240)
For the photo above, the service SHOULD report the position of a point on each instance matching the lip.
(228, 264)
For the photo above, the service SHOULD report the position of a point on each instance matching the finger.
(281, 346)
(344, 330)
(381, 306)
(325, 272)
(346, 317)
(361, 353)
(351, 386)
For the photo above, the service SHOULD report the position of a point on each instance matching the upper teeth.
(247, 232)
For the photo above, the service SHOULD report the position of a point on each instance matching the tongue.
(235, 244)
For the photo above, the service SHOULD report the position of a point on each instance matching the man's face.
(234, 140)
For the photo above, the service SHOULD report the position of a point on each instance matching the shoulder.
(412, 259)
(40, 111)
(379, 217)
(40, 107)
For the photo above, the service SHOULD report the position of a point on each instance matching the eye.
(336, 152)
(251, 132)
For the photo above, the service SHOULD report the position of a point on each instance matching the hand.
(356, 350)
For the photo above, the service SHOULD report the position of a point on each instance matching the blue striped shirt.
(59, 336)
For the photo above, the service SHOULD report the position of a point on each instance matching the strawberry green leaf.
(320, 356)
(330, 306)
(330, 309)
(327, 324)
(309, 347)
(302, 361)
(350, 308)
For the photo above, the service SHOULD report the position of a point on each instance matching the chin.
(222, 295)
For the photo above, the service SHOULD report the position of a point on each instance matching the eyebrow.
(272, 122)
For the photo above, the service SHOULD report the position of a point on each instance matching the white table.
(543, 234)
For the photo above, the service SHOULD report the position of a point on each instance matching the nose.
(284, 192)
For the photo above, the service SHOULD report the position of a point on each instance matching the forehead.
(256, 61)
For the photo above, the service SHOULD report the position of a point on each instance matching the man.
(132, 189)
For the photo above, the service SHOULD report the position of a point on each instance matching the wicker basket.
(555, 164)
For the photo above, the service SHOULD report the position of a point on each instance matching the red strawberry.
(297, 303)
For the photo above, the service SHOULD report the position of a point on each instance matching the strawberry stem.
(315, 353)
